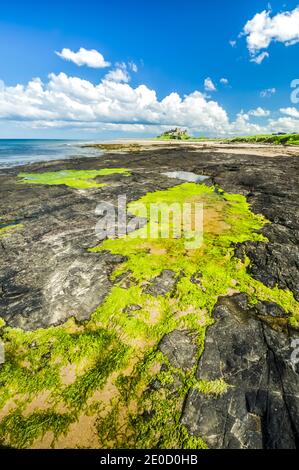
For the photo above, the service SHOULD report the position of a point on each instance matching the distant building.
(176, 134)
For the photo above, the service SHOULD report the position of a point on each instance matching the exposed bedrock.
(59, 222)
(250, 349)
(180, 349)
(47, 275)
(273, 264)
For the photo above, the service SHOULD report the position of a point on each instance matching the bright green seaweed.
(115, 354)
(4, 231)
(79, 179)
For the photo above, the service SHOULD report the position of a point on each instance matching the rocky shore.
(50, 274)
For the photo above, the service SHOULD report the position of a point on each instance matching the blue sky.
(175, 47)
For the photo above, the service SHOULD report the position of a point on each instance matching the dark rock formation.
(180, 349)
(59, 226)
(162, 284)
(47, 275)
(261, 406)
(274, 264)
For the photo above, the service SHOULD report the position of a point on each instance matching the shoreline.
(118, 147)
(263, 149)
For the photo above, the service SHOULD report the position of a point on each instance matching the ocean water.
(22, 151)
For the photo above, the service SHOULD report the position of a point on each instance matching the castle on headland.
(175, 134)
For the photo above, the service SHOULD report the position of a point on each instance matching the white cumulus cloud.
(293, 112)
(90, 58)
(258, 59)
(71, 103)
(224, 81)
(263, 29)
(72, 99)
(133, 67)
(259, 112)
(284, 124)
(118, 75)
(209, 85)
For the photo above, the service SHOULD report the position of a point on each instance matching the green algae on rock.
(112, 367)
(4, 231)
(122, 147)
(78, 179)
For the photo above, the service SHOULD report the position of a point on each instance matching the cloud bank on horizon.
(113, 104)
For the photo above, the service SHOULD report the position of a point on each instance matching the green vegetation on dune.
(279, 139)
(284, 139)
(178, 135)
(106, 367)
(184, 139)
(79, 179)
(167, 138)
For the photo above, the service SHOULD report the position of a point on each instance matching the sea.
(15, 152)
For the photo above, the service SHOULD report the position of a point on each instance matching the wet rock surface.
(260, 409)
(59, 226)
(180, 349)
(47, 275)
(162, 284)
(274, 263)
